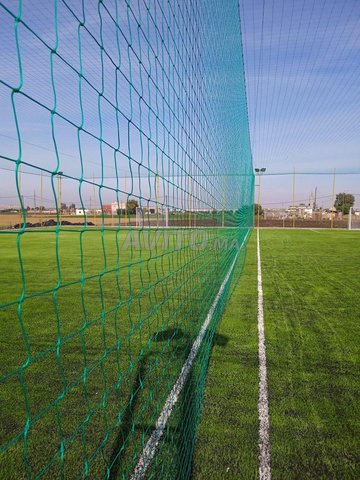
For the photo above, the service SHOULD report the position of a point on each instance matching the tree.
(258, 210)
(343, 202)
(131, 206)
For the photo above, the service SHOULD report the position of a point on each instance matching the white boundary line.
(152, 444)
(263, 402)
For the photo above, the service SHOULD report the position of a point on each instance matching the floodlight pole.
(259, 172)
(258, 207)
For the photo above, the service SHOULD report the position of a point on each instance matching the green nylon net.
(126, 203)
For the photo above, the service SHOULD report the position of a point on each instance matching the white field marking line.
(263, 402)
(315, 231)
(151, 446)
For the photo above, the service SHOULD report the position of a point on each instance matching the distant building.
(203, 210)
(112, 208)
(81, 211)
(107, 208)
(275, 213)
(150, 209)
(308, 212)
(300, 211)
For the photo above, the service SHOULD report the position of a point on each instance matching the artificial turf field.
(311, 284)
(95, 328)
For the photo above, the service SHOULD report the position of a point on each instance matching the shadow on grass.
(127, 424)
(191, 403)
(127, 421)
(180, 438)
(177, 453)
(170, 334)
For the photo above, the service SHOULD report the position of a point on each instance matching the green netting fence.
(126, 203)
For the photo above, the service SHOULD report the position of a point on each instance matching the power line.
(301, 78)
(153, 175)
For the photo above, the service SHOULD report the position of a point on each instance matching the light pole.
(259, 172)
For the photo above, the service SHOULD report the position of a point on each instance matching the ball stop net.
(125, 158)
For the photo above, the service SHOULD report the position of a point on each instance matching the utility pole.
(166, 212)
(333, 201)
(19, 176)
(94, 197)
(41, 198)
(293, 223)
(59, 174)
(157, 187)
(190, 197)
(125, 190)
(59, 180)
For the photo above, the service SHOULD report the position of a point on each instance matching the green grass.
(312, 312)
(105, 339)
(94, 333)
(226, 444)
(311, 287)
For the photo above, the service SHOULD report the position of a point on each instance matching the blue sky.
(302, 60)
(185, 62)
(301, 65)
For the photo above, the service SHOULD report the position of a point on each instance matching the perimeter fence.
(308, 200)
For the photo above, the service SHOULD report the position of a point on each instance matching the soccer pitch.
(310, 281)
(311, 289)
(95, 328)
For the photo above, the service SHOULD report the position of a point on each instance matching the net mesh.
(126, 160)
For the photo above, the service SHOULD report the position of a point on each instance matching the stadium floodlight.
(262, 170)
(257, 170)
